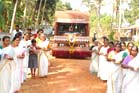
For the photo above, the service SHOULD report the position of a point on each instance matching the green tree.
(95, 6)
(2, 19)
(6, 8)
(50, 7)
(68, 6)
(26, 12)
(13, 17)
(60, 6)
(50, 10)
(133, 14)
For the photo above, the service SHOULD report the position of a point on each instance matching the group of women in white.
(116, 63)
(16, 58)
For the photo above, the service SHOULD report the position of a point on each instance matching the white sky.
(77, 4)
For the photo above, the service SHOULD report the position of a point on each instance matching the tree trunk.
(43, 11)
(13, 17)
(113, 14)
(25, 10)
(117, 7)
(37, 23)
(120, 19)
(98, 14)
(33, 15)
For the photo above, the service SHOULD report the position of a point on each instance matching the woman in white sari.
(25, 43)
(42, 56)
(94, 59)
(103, 63)
(114, 58)
(18, 73)
(6, 66)
(131, 80)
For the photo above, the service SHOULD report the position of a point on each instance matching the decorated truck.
(71, 35)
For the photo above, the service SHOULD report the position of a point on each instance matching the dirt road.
(66, 76)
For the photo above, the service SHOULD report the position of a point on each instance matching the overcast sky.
(77, 4)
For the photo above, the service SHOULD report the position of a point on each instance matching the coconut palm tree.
(13, 17)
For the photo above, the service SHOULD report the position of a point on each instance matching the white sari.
(5, 77)
(42, 59)
(18, 73)
(94, 60)
(24, 44)
(115, 75)
(103, 64)
(7, 68)
(131, 80)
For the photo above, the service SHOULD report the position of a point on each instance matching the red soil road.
(66, 76)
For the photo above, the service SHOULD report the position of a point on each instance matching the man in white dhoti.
(42, 56)
(25, 43)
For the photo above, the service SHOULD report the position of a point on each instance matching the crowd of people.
(116, 63)
(18, 53)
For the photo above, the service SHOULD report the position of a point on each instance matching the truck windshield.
(71, 28)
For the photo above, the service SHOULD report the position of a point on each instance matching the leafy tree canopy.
(61, 6)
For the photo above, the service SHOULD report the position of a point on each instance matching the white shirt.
(14, 32)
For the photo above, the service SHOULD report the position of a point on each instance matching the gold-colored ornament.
(71, 42)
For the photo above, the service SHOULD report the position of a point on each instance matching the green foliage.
(93, 23)
(2, 22)
(7, 6)
(111, 35)
(2, 19)
(68, 6)
(133, 13)
(5, 14)
(60, 6)
(105, 21)
(50, 10)
(19, 15)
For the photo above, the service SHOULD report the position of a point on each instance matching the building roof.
(129, 27)
(71, 17)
